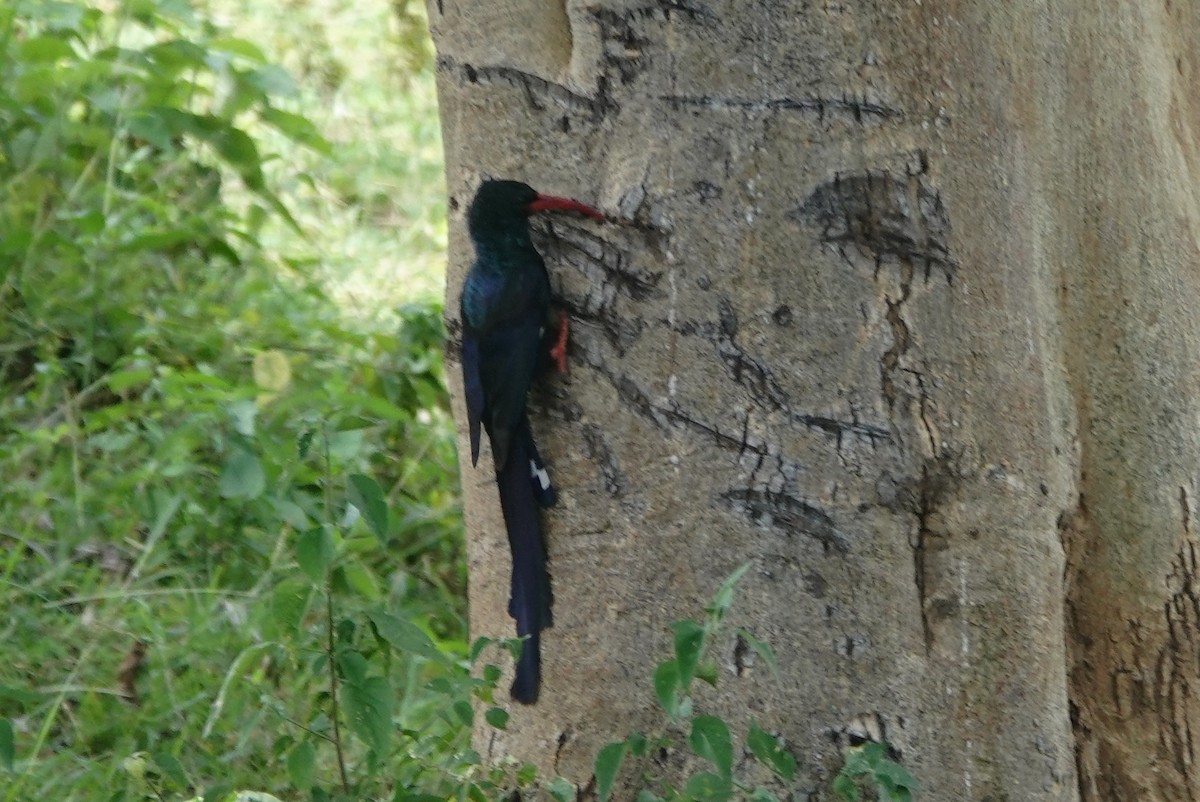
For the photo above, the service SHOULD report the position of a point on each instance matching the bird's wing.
(473, 389)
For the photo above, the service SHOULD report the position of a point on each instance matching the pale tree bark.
(898, 305)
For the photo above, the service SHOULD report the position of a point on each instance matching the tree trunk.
(898, 304)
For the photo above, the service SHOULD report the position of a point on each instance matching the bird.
(508, 339)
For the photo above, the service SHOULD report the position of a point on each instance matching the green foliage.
(7, 744)
(231, 556)
(711, 740)
(869, 762)
(708, 737)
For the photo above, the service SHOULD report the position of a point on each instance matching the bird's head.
(501, 204)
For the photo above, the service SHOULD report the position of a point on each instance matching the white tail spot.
(538, 472)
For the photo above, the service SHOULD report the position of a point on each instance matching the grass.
(164, 630)
(376, 207)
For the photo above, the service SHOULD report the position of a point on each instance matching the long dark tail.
(523, 487)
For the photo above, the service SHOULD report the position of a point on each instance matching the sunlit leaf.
(120, 382)
(272, 370)
(43, 49)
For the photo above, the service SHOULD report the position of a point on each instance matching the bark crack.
(901, 338)
(884, 216)
(860, 110)
(757, 377)
(539, 92)
(787, 513)
(598, 450)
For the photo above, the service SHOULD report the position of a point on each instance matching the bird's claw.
(558, 351)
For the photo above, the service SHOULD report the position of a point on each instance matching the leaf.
(8, 744)
(178, 54)
(561, 790)
(239, 47)
(873, 752)
(896, 780)
(368, 705)
(608, 763)
(689, 646)
(271, 79)
(707, 672)
(405, 636)
(723, 599)
(710, 740)
(477, 647)
(242, 414)
(637, 744)
(466, 714)
(302, 765)
(304, 442)
(38, 49)
(845, 787)
(135, 765)
(122, 381)
(365, 494)
(497, 717)
(217, 793)
(289, 601)
(239, 150)
(314, 552)
(763, 795)
(360, 580)
(666, 687)
(708, 787)
(21, 696)
(171, 768)
(354, 666)
(242, 476)
(272, 370)
(767, 749)
(148, 125)
(761, 648)
(297, 128)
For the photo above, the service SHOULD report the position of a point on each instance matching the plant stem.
(333, 683)
(329, 635)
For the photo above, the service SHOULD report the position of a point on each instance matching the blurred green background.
(230, 534)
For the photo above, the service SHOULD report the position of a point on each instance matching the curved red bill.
(551, 203)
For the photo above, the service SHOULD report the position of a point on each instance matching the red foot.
(558, 351)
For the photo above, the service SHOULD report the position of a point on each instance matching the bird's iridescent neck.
(502, 248)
